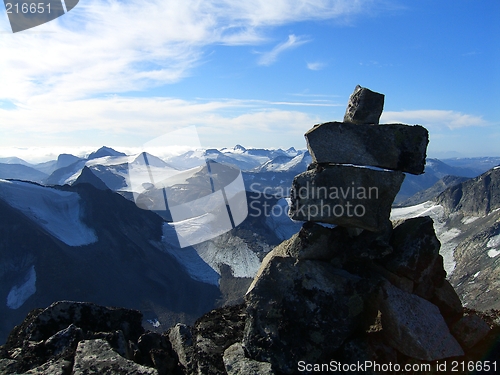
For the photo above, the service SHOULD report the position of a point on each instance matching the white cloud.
(270, 57)
(315, 65)
(434, 118)
(135, 120)
(119, 46)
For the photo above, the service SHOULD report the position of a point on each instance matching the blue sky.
(259, 73)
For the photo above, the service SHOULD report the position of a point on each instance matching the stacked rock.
(357, 166)
(337, 295)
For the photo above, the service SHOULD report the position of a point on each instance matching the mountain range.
(71, 230)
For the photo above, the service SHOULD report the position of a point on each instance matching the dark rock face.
(391, 146)
(305, 301)
(364, 106)
(84, 338)
(87, 316)
(415, 249)
(470, 330)
(345, 195)
(477, 196)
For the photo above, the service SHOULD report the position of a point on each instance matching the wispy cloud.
(315, 65)
(434, 118)
(113, 47)
(270, 57)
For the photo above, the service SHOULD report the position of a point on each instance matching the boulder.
(446, 298)
(390, 146)
(415, 327)
(304, 310)
(469, 330)
(415, 251)
(65, 340)
(236, 363)
(182, 344)
(116, 340)
(97, 357)
(345, 195)
(213, 333)
(364, 106)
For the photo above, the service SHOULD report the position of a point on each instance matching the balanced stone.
(391, 146)
(364, 107)
(345, 195)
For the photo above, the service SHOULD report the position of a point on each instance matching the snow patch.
(494, 241)
(493, 253)
(20, 293)
(56, 211)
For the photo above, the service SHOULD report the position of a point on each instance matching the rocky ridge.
(365, 291)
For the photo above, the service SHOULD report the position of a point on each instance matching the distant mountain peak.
(105, 151)
(88, 177)
(239, 148)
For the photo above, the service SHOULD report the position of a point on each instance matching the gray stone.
(64, 340)
(469, 330)
(415, 251)
(364, 106)
(182, 343)
(446, 298)
(391, 146)
(117, 341)
(236, 363)
(345, 195)
(97, 357)
(304, 310)
(53, 367)
(415, 327)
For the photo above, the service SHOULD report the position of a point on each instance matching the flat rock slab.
(364, 107)
(345, 195)
(415, 327)
(391, 146)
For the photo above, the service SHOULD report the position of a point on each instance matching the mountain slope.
(21, 172)
(127, 265)
(467, 222)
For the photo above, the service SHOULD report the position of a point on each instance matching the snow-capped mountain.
(435, 170)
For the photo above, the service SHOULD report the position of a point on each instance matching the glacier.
(58, 212)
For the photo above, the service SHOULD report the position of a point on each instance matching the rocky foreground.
(368, 296)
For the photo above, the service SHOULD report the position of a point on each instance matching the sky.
(258, 73)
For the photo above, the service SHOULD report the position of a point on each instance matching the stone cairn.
(367, 296)
(367, 289)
